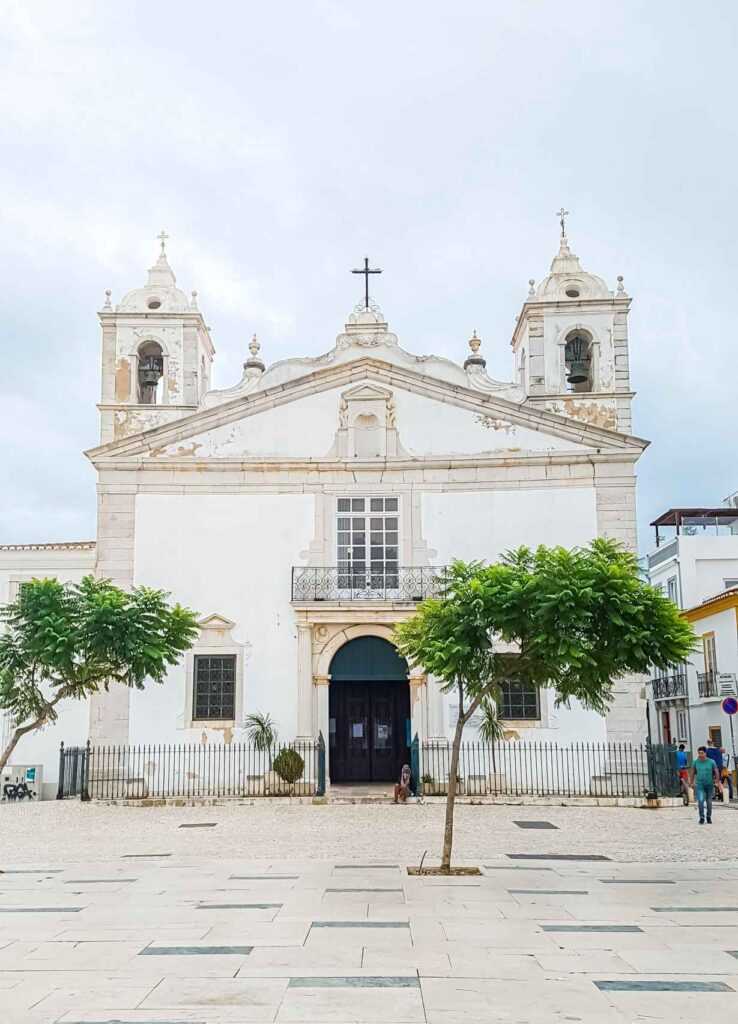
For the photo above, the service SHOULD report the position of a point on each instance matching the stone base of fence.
(663, 803)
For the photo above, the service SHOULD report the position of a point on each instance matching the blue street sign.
(730, 705)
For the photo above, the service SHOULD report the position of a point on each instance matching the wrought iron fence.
(190, 770)
(73, 772)
(339, 583)
(519, 768)
(707, 684)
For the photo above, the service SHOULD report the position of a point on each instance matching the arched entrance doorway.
(369, 712)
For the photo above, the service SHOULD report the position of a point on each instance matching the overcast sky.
(279, 142)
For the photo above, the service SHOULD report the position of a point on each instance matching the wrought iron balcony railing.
(670, 687)
(335, 583)
(707, 685)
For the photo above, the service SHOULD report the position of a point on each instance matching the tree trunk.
(19, 733)
(448, 828)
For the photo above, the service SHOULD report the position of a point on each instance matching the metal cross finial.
(562, 214)
(162, 236)
(366, 272)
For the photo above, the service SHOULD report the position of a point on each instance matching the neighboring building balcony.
(670, 687)
(337, 583)
(707, 684)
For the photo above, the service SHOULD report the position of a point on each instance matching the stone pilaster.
(109, 711)
(304, 682)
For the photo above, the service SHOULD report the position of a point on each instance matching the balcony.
(707, 684)
(336, 583)
(670, 687)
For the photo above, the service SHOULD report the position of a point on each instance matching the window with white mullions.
(367, 538)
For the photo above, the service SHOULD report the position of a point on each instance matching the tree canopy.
(571, 620)
(68, 640)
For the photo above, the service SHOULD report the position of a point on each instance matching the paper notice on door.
(382, 732)
(357, 730)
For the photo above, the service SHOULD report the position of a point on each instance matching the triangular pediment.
(367, 393)
(216, 621)
(296, 402)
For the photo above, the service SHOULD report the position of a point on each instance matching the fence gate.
(662, 769)
(73, 772)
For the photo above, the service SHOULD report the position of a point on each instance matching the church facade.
(305, 511)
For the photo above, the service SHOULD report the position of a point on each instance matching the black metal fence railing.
(669, 687)
(73, 764)
(348, 583)
(161, 771)
(519, 768)
(707, 685)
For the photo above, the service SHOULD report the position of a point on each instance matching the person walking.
(683, 769)
(705, 777)
(714, 754)
(725, 772)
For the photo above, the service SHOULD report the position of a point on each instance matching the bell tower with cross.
(570, 342)
(157, 354)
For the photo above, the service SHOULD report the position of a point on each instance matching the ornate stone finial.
(621, 286)
(193, 300)
(531, 287)
(163, 236)
(107, 303)
(474, 360)
(254, 364)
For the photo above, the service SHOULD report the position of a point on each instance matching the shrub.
(289, 766)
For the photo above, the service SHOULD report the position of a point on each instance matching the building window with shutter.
(519, 700)
(214, 690)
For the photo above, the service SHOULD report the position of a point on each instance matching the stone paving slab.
(206, 936)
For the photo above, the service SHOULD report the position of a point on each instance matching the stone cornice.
(535, 306)
(309, 467)
(361, 370)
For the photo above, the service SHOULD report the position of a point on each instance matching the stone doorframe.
(323, 629)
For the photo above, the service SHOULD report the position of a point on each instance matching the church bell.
(578, 359)
(150, 370)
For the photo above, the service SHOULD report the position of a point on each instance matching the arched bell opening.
(150, 373)
(369, 712)
(578, 362)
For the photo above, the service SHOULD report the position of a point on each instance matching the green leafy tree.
(66, 641)
(573, 620)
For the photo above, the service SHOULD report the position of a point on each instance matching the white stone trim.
(215, 639)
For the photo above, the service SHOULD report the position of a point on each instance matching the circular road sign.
(730, 705)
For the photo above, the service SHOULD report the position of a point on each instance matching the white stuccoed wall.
(485, 524)
(228, 554)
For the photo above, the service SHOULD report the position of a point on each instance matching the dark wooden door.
(369, 730)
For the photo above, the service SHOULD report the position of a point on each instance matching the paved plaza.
(292, 912)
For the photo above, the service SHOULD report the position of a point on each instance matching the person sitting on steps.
(402, 788)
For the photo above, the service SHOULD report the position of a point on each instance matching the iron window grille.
(214, 692)
(519, 700)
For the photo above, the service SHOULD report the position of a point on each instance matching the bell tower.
(157, 355)
(571, 344)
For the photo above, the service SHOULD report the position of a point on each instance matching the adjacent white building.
(305, 510)
(695, 563)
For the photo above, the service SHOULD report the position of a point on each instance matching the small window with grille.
(214, 692)
(519, 700)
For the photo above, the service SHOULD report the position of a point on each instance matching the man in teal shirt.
(704, 777)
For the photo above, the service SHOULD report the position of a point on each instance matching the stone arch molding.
(336, 637)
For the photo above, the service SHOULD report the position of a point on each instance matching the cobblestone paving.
(298, 913)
